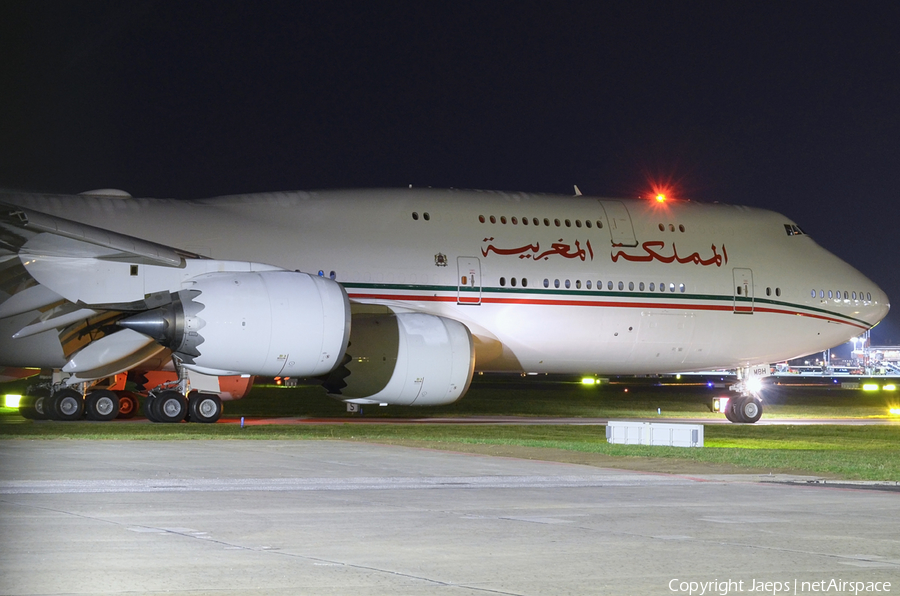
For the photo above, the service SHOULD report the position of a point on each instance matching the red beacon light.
(661, 193)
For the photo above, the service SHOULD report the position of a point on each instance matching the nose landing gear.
(747, 405)
(743, 408)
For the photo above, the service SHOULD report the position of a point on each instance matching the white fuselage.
(544, 283)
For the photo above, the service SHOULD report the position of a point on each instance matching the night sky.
(790, 106)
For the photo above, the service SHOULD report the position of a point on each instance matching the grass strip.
(847, 452)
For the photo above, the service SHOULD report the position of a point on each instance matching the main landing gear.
(80, 401)
(68, 403)
(174, 401)
(170, 405)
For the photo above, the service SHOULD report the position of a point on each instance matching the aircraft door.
(619, 222)
(743, 291)
(468, 280)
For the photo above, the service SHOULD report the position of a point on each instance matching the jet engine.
(404, 359)
(266, 323)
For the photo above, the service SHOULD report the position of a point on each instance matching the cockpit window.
(793, 230)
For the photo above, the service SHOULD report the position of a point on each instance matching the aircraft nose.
(879, 307)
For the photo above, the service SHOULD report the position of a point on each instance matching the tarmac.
(333, 517)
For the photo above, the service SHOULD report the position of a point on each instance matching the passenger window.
(630, 286)
(621, 286)
(546, 283)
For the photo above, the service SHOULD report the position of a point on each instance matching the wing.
(59, 288)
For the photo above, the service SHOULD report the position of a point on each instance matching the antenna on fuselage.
(577, 191)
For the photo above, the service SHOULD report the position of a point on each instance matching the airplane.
(398, 296)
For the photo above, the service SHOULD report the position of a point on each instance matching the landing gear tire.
(101, 405)
(26, 407)
(32, 404)
(748, 409)
(730, 412)
(204, 407)
(128, 404)
(149, 406)
(65, 404)
(170, 406)
(41, 397)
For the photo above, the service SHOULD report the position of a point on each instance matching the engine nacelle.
(404, 359)
(266, 323)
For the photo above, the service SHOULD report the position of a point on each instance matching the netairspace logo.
(825, 586)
